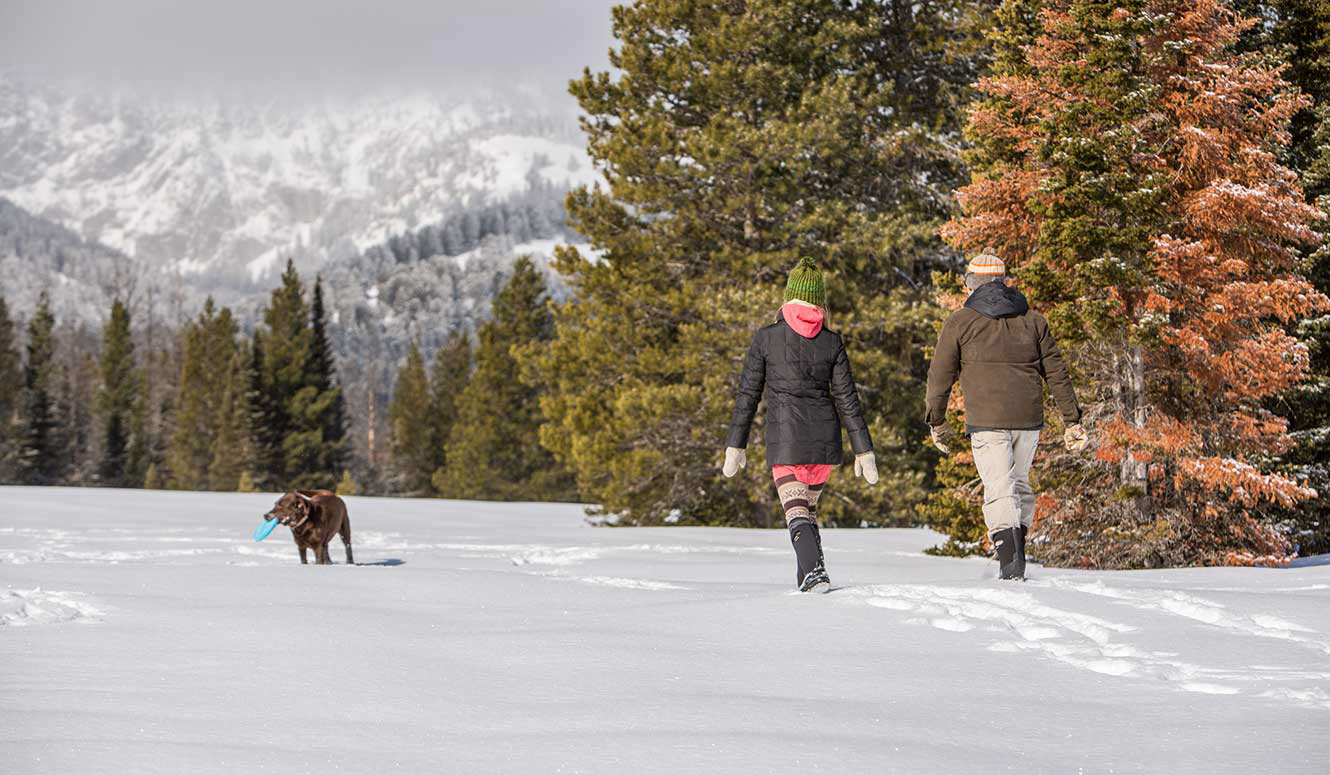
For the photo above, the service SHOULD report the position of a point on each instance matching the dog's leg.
(346, 539)
(303, 561)
(324, 559)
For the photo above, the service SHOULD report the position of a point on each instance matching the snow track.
(1011, 619)
(481, 637)
(20, 607)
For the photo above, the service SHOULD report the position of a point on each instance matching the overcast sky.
(329, 43)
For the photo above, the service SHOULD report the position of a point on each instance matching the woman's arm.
(751, 381)
(846, 396)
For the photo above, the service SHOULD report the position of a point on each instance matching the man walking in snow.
(1003, 353)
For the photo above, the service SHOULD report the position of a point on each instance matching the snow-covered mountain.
(220, 190)
(37, 255)
(411, 209)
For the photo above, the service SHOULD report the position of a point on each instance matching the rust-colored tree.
(1139, 196)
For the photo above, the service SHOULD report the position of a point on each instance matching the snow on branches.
(1128, 170)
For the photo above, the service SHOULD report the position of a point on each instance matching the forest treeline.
(212, 409)
(203, 408)
(1154, 172)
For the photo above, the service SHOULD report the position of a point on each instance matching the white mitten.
(735, 459)
(865, 465)
(942, 435)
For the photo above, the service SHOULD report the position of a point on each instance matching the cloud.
(324, 43)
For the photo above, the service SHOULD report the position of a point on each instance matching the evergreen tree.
(139, 453)
(328, 409)
(119, 410)
(261, 415)
(297, 413)
(415, 446)
(231, 448)
(494, 449)
(285, 348)
(448, 377)
(1143, 206)
(201, 411)
(1297, 33)
(735, 138)
(77, 398)
(11, 393)
(40, 454)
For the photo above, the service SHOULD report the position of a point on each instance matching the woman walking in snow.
(806, 376)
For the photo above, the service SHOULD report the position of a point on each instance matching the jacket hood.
(805, 320)
(996, 300)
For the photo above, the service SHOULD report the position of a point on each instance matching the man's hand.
(735, 458)
(943, 436)
(1076, 438)
(865, 465)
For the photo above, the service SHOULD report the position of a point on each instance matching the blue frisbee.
(265, 529)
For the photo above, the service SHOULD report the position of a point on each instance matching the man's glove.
(865, 465)
(1076, 438)
(735, 458)
(942, 435)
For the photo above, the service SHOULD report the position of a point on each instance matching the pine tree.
(735, 138)
(119, 409)
(261, 414)
(494, 449)
(75, 417)
(297, 413)
(1142, 205)
(416, 446)
(331, 418)
(231, 448)
(1297, 32)
(161, 373)
(11, 392)
(448, 377)
(284, 345)
(201, 411)
(41, 443)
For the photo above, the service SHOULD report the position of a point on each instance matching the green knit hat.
(805, 284)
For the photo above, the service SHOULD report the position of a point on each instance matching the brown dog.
(314, 516)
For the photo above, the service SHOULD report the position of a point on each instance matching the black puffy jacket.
(808, 383)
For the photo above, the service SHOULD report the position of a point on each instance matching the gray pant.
(1003, 459)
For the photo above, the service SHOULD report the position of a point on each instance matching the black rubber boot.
(1011, 560)
(810, 572)
(817, 580)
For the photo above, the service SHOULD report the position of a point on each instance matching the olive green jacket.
(1003, 353)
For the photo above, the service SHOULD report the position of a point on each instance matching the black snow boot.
(811, 574)
(817, 580)
(1007, 545)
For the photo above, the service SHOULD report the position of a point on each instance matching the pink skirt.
(813, 473)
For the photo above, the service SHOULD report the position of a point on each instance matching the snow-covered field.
(147, 632)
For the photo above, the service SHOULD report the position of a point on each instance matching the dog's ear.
(305, 500)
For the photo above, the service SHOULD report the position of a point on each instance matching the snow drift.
(155, 636)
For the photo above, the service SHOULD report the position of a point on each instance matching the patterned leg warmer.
(800, 503)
